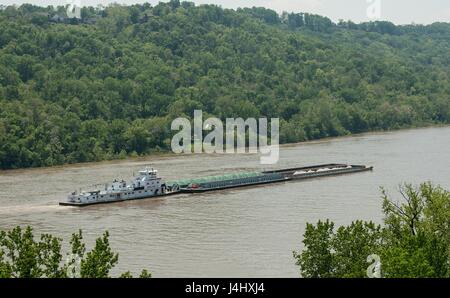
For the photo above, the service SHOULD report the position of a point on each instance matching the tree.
(100, 260)
(414, 240)
(417, 233)
(317, 259)
(21, 256)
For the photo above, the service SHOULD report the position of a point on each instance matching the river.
(248, 232)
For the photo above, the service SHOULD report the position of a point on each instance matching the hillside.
(109, 85)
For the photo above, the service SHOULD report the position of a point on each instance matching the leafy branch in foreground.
(21, 256)
(414, 240)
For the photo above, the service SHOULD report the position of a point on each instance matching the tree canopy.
(414, 240)
(109, 84)
(22, 256)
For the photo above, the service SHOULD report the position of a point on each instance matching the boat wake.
(29, 209)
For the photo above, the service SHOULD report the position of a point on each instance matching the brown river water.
(246, 232)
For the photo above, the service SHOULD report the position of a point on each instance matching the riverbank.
(170, 154)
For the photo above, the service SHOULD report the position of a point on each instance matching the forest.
(109, 84)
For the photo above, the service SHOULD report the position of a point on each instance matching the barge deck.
(273, 176)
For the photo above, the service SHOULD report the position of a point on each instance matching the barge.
(265, 177)
(148, 185)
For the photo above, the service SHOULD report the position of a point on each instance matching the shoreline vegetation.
(108, 85)
(169, 154)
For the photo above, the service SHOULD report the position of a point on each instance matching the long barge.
(274, 176)
(148, 185)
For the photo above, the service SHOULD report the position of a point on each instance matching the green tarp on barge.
(208, 179)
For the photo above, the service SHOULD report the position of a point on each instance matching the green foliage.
(126, 275)
(417, 233)
(23, 257)
(100, 260)
(109, 85)
(413, 242)
(145, 274)
(352, 245)
(340, 253)
(317, 260)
